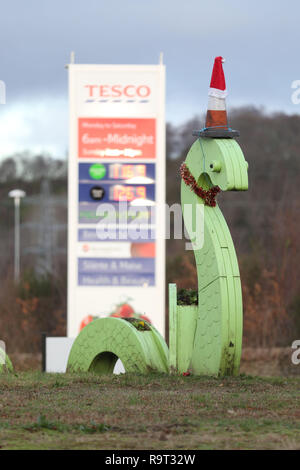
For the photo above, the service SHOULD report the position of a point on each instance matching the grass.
(85, 411)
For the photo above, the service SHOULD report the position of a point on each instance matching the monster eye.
(215, 166)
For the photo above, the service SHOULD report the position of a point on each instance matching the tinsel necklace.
(208, 195)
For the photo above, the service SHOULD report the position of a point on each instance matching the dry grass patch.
(85, 411)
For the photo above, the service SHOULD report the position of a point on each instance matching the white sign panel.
(116, 246)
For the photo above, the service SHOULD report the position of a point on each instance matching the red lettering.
(125, 91)
(145, 93)
(104, 91)
(91, 89)
(116, 91)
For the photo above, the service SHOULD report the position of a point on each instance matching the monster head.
(221, 160)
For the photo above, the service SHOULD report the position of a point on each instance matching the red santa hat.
(217, 82)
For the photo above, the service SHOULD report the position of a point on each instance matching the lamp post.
(17, 195)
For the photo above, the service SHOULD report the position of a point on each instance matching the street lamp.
(17, 195)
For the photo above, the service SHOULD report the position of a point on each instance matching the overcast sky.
(259, 39)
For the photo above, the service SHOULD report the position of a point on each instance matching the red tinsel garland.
(208, 195)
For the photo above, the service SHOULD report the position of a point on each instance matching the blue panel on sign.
(106, 192)
(110, 172)
(138, 280)
(115, 213)
(90, 235)
(119, 266)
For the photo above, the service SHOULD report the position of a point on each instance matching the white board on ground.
(57, 353)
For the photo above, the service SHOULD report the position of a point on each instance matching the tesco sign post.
(116, 242)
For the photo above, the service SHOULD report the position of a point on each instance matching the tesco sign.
(117, 91)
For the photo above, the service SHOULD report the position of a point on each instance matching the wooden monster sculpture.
(204, 339)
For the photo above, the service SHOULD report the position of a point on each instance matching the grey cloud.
(259, 40)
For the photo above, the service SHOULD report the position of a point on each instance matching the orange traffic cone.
(216, 124)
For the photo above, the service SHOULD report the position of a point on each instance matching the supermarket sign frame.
(116, 117)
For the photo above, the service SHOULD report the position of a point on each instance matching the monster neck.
(217, 342)
(218, 334)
